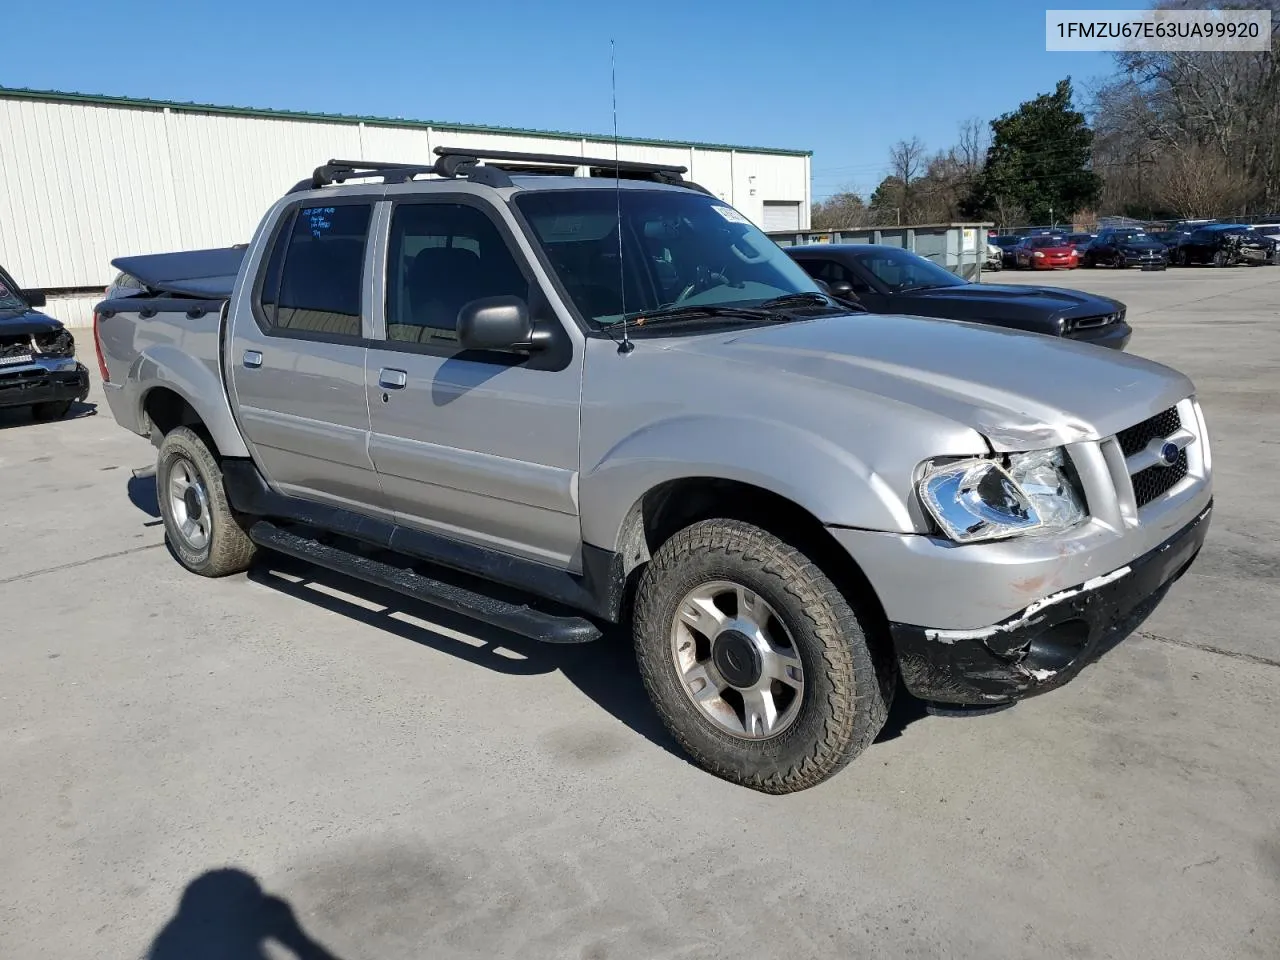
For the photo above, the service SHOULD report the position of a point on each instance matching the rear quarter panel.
(172, 350)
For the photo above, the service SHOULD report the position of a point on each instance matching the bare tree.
(1198, 181)
(840, 211)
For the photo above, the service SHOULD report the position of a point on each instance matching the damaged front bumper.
(1050, 641)
(43, 380)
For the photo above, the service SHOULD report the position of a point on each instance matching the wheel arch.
(673, 505)
(181, 390)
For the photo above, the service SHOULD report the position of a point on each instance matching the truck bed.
(168, 335)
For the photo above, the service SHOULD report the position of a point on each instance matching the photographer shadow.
(225, 914)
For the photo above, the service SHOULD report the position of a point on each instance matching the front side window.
(677, 248)
(314, 274)
(441, 256)
(9, 296)
(902, 271)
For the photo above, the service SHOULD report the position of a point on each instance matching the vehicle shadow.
(605, 671)
(142, 494)
(225, 914)
(21, 416)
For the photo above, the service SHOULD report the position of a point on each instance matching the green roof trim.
(102, 100)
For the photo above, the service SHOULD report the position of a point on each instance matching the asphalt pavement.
(190, 765)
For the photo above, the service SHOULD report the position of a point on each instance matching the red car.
(1045, 253)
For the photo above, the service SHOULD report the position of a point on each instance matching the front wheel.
(755, 660)
(203, 532)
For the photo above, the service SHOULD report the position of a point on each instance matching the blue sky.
(844, 79)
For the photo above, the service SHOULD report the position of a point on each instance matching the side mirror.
(842, 290)
(496, 323)
(34, 297)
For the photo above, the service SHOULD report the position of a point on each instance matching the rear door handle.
(252, 358)
(392, 379)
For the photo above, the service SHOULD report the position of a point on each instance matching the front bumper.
(1050, 641)
(1113, 335)
(1065, 263)
(44, 380)
(1147, 261)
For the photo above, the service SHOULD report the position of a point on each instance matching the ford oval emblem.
(1169, 454)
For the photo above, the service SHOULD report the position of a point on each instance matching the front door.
(298, 366)
(477, 446)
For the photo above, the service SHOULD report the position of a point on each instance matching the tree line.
(1168, 135)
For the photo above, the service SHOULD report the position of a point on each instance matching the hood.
(1140, 244)
(1061, 248)
(1022, 391)
(1039, 298)
(23, 321)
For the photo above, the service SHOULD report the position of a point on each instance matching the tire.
(1220, 259)
(53, 410)
(224, 548)
(843, 694)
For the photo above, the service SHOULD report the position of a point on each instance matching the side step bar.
(520, 619)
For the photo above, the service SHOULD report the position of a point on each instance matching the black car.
(892, 280)
(38, 367)
(1125, 247)
(1006, 245)
(1224, 245)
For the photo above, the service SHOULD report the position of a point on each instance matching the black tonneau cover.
(206, 274)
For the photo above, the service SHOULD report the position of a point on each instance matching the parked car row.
(1219, 244)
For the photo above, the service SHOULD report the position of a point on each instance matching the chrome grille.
(1135, 438)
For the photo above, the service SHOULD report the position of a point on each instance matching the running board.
(520, 619)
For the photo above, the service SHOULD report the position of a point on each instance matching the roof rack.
(456, 162)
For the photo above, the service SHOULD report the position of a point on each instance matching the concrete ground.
(192, 768)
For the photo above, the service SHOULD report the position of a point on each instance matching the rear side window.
(313, 277)
(442, 256)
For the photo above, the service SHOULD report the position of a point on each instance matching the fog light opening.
(1056, 648)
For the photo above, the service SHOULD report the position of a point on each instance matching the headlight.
(1037, 253)
(975, 500)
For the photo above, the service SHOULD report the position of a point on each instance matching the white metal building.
(85, 179)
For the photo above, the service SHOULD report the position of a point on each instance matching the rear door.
(480, 446)
(298, 365)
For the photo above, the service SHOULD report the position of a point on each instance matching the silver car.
(609, 405)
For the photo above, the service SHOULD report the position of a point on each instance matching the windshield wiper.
(811, 298)
(652, 318)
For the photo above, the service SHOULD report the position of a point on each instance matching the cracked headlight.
(975, 500)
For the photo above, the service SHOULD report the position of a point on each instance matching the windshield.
(679, 249)
(902, 270)
(1048, 242)
(9, 298)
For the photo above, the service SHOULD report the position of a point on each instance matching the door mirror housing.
(842, 290)
(34, 298)
(497, 323)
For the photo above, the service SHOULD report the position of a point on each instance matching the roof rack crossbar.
(559, 159)
(456, 162)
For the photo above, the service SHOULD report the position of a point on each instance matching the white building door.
(781, 215)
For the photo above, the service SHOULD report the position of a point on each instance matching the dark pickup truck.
(38, 366)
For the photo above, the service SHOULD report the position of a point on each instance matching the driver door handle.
(391, 379)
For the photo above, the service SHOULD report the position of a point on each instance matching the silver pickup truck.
(560, 402)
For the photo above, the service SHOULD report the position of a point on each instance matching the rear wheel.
(202, 530)
(53, 410)
(755, 660)
(1220, 259)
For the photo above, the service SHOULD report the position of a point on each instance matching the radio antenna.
(626, 346)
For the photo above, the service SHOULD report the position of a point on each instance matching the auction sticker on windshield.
(730, 214)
